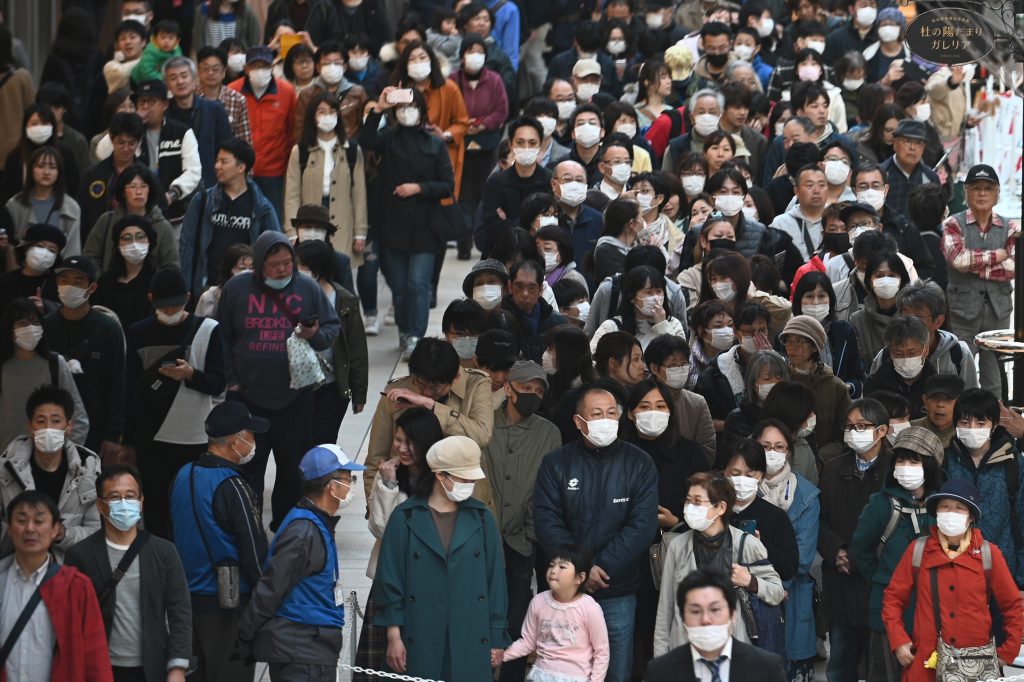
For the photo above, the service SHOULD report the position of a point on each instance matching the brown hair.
(718, 487)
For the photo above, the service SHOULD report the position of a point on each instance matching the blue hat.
(890, 14)
(259, 53)
(326, 459)
(959, 489)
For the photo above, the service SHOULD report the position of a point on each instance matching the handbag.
(451, 221)
(965, 664)
(658, 551)
(765, 624)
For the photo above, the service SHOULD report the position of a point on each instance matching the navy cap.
(259, 53)
(169, 289)
(911, 129)
(231, 417)
(326, 459)
(151, 88)
(949, 385)
(82, 264)
(857, 207)
(980, 172)
(959, 489)
(496, 349)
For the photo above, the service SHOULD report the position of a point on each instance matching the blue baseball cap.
(326, 459)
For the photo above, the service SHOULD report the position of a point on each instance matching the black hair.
(525, 122)
(574, 360)
(434, 361)
(357, 40)
(977, 403)
(19, 309)
(318, 257)
(648, 254)
(619, 213)
(614, 111)
(577, 555)
(586, 108)
(127, 123)
(616, 346)
(800, 155)
(806, 29)
(167, 26)
(59, 187)
(232, 255)
(764, 424)
(706, 311)
(568, 291)
(34, 499)
(732, 265)
(297, 52)
(636, 394)
(514, 245)
(633, 281)
(553, 233)
(526, 264)
(464, 315)
(715, 183)
(763, 203)
(400, 74)
(539, 106)
(467, 13)
(715, 28)
(241, 150)
(749, 450)
(137, 170)
(588, 36)
(422, 430)
(934, 476)
(896, 405)
(309, 128)
(809, 282)
(806, 92)
(54, 94)
(664, 346)
(118, 266)
(316, 486)
(926, 206)
(330, 47)
(533, 206)
(112, 471)
(75, 39)
(111, 104)
(208, 51)
(765, 275)
(703, 578)
(50, 395)
(791, 402)
(615, 140)
(750, 313)
(890, 258)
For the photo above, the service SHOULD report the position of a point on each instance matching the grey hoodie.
(793, 223)
(255, 329)
(944, 363)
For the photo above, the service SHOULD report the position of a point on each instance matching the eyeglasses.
(130, 497)
(127, 238)
(860, 428)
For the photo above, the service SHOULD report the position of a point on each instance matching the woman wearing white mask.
(555, 246)
(798, 497)
(124, 288)
(642, 309)
(668, 360)
(623, 221)
(884, 276)
(712, 335)
(45, 201)
(894, 517)
(651, 192)
(419, 175)
(712, 544)
(985, 453)
(450, 538)
(26, 364)
(953, 571)
(728, 279)
(715, 233)
(655, 87)
(36, 257)
(327, 169)
(764, 370)
(849, 74)
(794, 405)
(39, 129)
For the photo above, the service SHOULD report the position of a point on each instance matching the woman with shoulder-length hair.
(643, 309)
(45, 200)
(729, 279)
(437, 538)
(326, 168)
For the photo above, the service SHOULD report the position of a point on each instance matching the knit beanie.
(807, 327)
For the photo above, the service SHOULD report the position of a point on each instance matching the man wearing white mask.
(586, 79)
(46, 460)
(856, 34)
(560, 91)
(330, 68)
(905, 367)
(569, 185)
(297, 611)
(707, 602)
(616, 166)
(705, 111)
(587, 131)
(601, 492)
(546, 113)
(504, 192)
(220, 538)
(905, 169)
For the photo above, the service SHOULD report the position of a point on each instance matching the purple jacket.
(487, 100)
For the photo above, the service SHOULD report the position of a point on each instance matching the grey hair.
(903, 329)
(707, 92)
(872, 411)
(763, 361)
(804, 123)
(732, 67)
(928, 295)
(220, 440)
(177, 63)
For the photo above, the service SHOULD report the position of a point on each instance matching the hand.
(474, 129)
(110, 452)
(666, 519)
(1011, 420)
(307, 40)
(410, 397)
(658, 313)
(388, 469)
(740, 576)
(496, 656)
(304, 332)
(396, 650)
(37, 300)
(408, 189)
(1001, 255)
(957, 75)
(434, 130)
(171, 197)
(843, 561)
(234, 388)
(904, 655)
(358, 245)
(175, 675)
(500, 213)
(894, 74)
(598, 580)
(181, 371)
(129, 456)
(358, 407)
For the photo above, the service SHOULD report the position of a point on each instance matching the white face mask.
(48, 440)
(27, 337)
(909, 368)
(705, 124)
(39, 134)
(808, 427)
(816, 45)
(71, 296)
(766, 27)
(858, 231)
(746, 487)
(818, 311)
(645, 201)
(922, 112)
(722, 338)
(408, 116)
(236, 62)
(875, 198)
(332, 73)
(260, 78)
(725, 291)
(728, 204)
(676, 377)
(460, 492)
(866, 16)
(573, 193)
(750, 212)
(548, 124)
(601, 432)
(419, 71)
(744, 52)
(342, 501)
(585, 91)
(621, 172)
(141, 18)
(135, 252)
(465, 346)
(836, 172)
(327, 123)
(693, 184)
(583, 307)
(860, 441)
(952, 524)
(652, 423)
(696, 517)
(776, 461)
(895, 428)
(172, 319)
(550, 261)
(708, 637)
(888, 34)
(475, 61)
(749, 346)
(853, 83)
(587, 135)
(359, 63)
(886, 288)
(548, 363)
(548, 221)
(654, 20)
(526, 157)
(565, 109)
(973, 438)
(487, 295)
(39, 259)
(615, 47)
(762, 389)
(246, 458)
(311, 234)
(909, 476)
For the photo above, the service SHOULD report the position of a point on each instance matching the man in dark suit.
(707, 602)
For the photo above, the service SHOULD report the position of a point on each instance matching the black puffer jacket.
(605, 499)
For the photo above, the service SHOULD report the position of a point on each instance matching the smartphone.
(310, 321)
(747, 525)
(169, 363)
(400, 96)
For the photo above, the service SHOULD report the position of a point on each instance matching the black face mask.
(727, 244)
(527, 403)
(836, 242)
(717, 60)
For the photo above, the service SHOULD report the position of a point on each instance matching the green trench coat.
(451, 607)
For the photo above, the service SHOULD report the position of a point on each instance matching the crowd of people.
(711, 407)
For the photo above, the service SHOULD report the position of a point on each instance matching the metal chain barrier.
(1012, 678)
(381, 673)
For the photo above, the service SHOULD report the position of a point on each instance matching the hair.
(636, 395)
(717, 137)
(800, 155)
(357, 40)
(704, 312)
(808, 283)
(572, 353)
(541, 106)
(864, 168)
(54, 94)
(514, 245)
(316, 486)
(614, 111)
(318, 257)
(525, 122)
(807, 168)
(464, 315)
(664, 346)
(470, 11)
(588, 35)
(910, 94)
(872, 411)
(903, 329)
(745, 449)
(715, 28)
(977, 403)
(897, 406)
(706, 92)
(208, 51)
(400, 73)
(777, 112)
(533, 206)
(137, 170)
(875, 135)
(807, 29)
(112, 471)
(568, 291)
(802, 56)
(763, 361)
(765, 424)
(700, 578)
(34, 499)
(648, 254)
(750, 313)
(895, 263)
(763, 203)
(118, 266)
(715, 183)
(616, 346)
(928, 295)
(75, 40)
(45, 152)
(718, 487)
(7, 48)
(50, 395)
(650, 76)
(872, 243)
(690, 161)
(422, 430)
(561, 237)
(615, 140)
(633, 281)
(112, 103)
(309, 128)
(926, 206)
(297, 52)
(619, 214)
(528, 265)
(933, 473)
(182, 61)
(19, 309)
(870, 97)
(791, 402)
(232, 255)
(435, 361)
(850, 61)
(765, 275)
(125, 123)
(733, 266)
(577, 555)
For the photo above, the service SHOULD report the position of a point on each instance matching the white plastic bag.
(304, 364)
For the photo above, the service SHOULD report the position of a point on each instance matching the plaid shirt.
(980, 262)
(238, 112)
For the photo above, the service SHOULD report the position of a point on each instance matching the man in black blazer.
(707, 601)
(152, 581)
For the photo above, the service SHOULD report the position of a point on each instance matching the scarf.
(714, 553)
(556, 274)
(654, 234)
(965, 544)
(779, 489)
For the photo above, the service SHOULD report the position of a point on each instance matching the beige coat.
(949, 107)
(348, 195)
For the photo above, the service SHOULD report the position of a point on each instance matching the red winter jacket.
(966, 620)
(81, 654)
(271, 118)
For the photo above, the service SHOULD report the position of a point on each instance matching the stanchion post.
(1018, 321)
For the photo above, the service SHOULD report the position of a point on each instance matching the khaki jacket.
(469, 412)
(949, 107)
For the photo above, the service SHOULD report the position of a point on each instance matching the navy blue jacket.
(209, 122)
